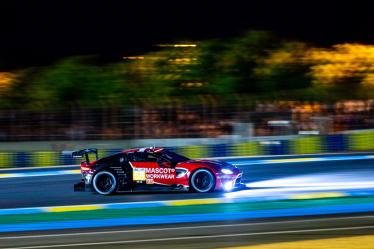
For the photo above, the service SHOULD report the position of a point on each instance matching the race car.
(153, 169)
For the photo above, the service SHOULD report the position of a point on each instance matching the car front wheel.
(202, 181)
(104, 183)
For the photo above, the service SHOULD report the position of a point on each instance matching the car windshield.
(173, 157)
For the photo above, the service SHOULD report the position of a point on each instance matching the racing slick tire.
(202, 181)
(104, 183)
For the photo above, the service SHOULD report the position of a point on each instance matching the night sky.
(35, 33)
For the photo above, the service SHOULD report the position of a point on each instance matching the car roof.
(144, 149)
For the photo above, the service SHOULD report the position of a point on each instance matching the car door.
(151, 169)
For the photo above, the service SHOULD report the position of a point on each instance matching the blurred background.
(120, 73)
(251, 85)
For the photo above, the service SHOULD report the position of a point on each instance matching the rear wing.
(85, 153)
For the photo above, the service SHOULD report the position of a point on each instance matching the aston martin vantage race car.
(153, 169)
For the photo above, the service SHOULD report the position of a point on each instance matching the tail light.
(85, 167)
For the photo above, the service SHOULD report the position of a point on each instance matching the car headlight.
(226, 171)
(228, 186)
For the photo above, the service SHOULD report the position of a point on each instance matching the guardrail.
(360, 141)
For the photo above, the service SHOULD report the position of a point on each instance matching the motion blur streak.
(265, 181)
(356, 242)
(194, 202)
(304, 159)
(337, 180)
(196, 237)
(40, 173)
(185, 227)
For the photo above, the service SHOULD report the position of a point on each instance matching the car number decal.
(139, 174)
(149, 181)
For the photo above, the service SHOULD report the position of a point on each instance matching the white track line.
(39, 167)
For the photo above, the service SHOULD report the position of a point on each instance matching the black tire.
(104, 183)
(202, 181)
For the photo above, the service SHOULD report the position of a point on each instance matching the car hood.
(214, 163)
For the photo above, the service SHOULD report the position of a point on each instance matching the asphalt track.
(198, 235)
(267, 178)
(272, 178)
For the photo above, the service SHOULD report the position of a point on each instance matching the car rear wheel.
(104, 183)
(202, 181)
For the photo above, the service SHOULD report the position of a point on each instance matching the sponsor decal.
(150, 174)
(160, 173)
(159, 170)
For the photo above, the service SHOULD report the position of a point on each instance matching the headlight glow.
(227, 171)
(228, 186)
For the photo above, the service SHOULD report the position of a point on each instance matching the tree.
(284, 69)
(75, 81)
